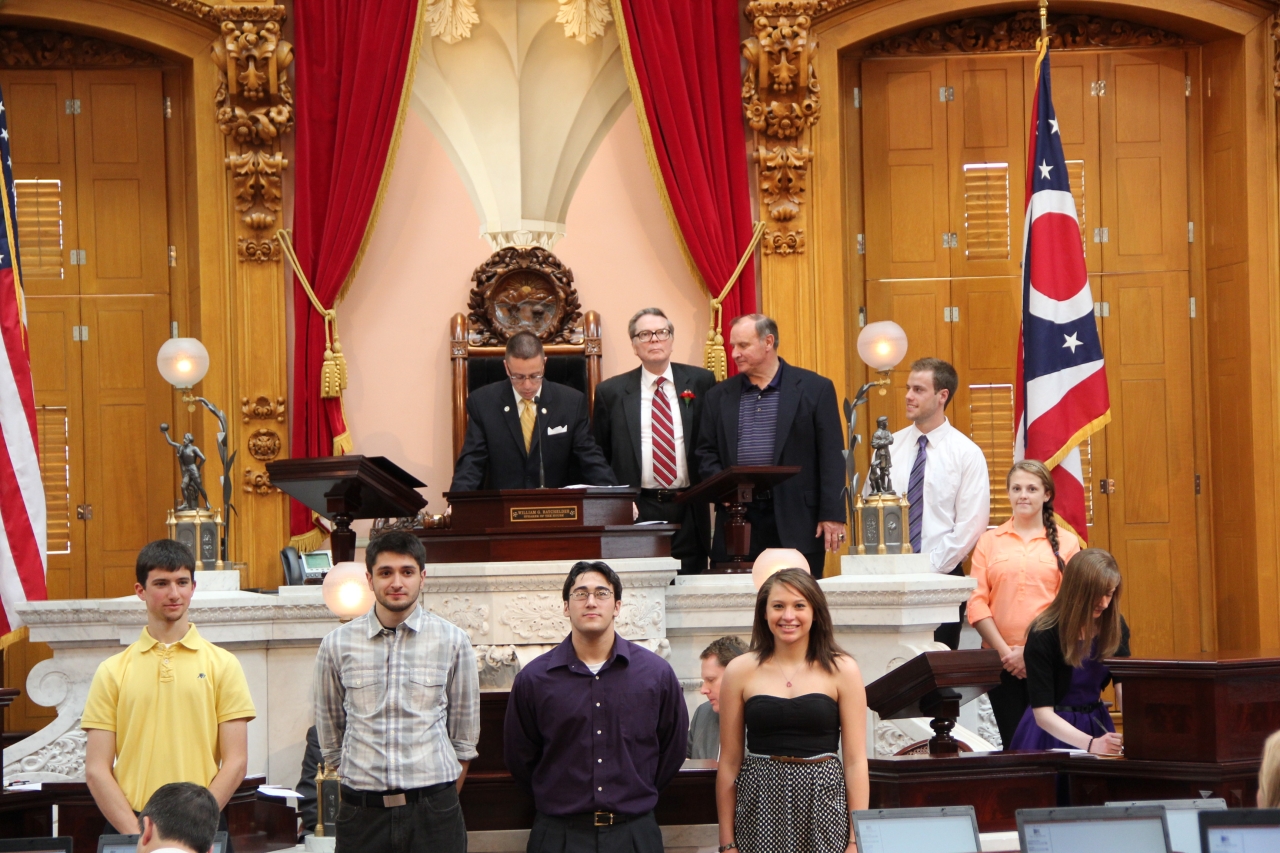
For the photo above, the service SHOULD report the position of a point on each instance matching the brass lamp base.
(201, 531)
(880, 524)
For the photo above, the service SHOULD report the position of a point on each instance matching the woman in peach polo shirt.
(1018, 568)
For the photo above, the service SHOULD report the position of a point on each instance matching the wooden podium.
(736, 487)
(935, 684)
(544, 524)
(344, 488)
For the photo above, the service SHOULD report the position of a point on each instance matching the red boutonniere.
(688, 397)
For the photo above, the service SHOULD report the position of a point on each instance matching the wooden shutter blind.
(986, 211)
(1075, 174)
(40, 228)
(991, 428)
(51, 426)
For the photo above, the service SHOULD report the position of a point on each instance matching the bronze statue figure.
(189, 461)
(881, 441)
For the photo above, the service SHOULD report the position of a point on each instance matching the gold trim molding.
(1019, 32)
(780, 95)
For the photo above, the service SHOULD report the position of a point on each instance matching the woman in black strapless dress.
(788, 707)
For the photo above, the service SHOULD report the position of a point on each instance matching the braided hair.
(1038, 470)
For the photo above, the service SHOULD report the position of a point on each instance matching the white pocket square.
(557, 430)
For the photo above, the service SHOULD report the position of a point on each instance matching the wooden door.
(916, 306)
(986, 140)
(42, 145)
(129, 471)
(906, 169)
(1149, 456)
(1143, 118)
(120, 182)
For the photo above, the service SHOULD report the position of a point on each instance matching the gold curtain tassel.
(330, 376)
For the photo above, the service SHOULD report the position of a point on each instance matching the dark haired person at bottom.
(1064, 653)
(799, 699)
(398, 712)
(1018, 569)
(595, 728)
(179, 818)
(172, 707)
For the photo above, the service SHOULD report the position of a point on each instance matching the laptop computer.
(129, 843)
(1095, 829)
(60, 844)
(1240, 831)
(1182, 817)
(946, 829)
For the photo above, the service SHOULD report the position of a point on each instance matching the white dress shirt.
(957, 491)
(649, 384)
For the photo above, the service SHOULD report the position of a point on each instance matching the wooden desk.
(1096, 781)
(544, 524)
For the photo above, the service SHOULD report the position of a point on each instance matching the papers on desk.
(589, 486)
(19, 785)
(278, 791)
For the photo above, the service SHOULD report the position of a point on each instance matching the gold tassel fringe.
(307, 542)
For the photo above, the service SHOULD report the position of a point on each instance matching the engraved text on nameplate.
(544, 513)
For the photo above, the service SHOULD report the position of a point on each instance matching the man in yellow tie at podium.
(529, 434)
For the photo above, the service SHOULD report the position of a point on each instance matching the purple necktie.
(915, 494)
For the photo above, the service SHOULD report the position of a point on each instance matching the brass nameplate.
(544, 513)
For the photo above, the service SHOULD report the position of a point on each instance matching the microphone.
(537, 426)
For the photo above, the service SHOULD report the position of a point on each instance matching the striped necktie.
(915, 494)
(664, 436)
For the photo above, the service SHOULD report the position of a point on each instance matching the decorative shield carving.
(523, 290)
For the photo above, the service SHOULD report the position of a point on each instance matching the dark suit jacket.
(808, 435)
(493, 454)
(617, 419)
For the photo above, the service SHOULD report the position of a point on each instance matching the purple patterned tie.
(915, 494)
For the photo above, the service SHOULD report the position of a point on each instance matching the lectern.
(737, 487)
(935, 684)
(344, 488)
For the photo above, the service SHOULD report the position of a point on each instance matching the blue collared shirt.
(758, 419)
(604, 742)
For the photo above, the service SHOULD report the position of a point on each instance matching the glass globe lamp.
(183, 362)
(882, 345)
(346, 591)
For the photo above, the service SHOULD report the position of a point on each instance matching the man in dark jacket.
(646, 422)
(528, 434)
(774, 413)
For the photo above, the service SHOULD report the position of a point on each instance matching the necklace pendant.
(788, 683)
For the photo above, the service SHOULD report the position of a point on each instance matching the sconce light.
(881, 345)
(772, 560)
(346, 591)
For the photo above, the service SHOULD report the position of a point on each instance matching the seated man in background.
(179, 818)
(704, 731)
(528, 434)
(172, 707)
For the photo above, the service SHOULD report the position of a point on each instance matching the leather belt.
(795, 759)
(1080, 709)
(662, 496)
(389, 799)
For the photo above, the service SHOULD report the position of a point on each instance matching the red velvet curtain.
(685, 59)
(351, 70)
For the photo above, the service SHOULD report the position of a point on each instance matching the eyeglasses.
(520, 377)
(601, 594)
(647, 335)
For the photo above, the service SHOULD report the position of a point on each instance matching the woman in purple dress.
(1065, 649)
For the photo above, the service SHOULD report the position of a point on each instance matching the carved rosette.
(264, 443)
(780, 96)
(522, 290)
(254, 108)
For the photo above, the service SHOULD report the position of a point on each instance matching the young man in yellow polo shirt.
(172, 707)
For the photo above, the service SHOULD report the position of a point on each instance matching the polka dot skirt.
(784, 807)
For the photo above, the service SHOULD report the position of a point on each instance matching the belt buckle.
(390, 801)
(604, 818)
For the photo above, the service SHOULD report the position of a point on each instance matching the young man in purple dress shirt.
(596, 727)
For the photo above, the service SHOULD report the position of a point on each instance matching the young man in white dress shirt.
(949, 489)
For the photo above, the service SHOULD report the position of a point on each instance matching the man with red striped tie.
(646, 422)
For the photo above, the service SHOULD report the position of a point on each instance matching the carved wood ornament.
(254, 108)
(780, 95)
(522, 290)
(1019, 32)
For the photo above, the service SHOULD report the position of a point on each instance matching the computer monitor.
(1240, 831)
(1182, 817)
(129, 843)
(1095, 829)
(947, 829)
(60, 844)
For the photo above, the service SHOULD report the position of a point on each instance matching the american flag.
(22, 509)
(1061, 391)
